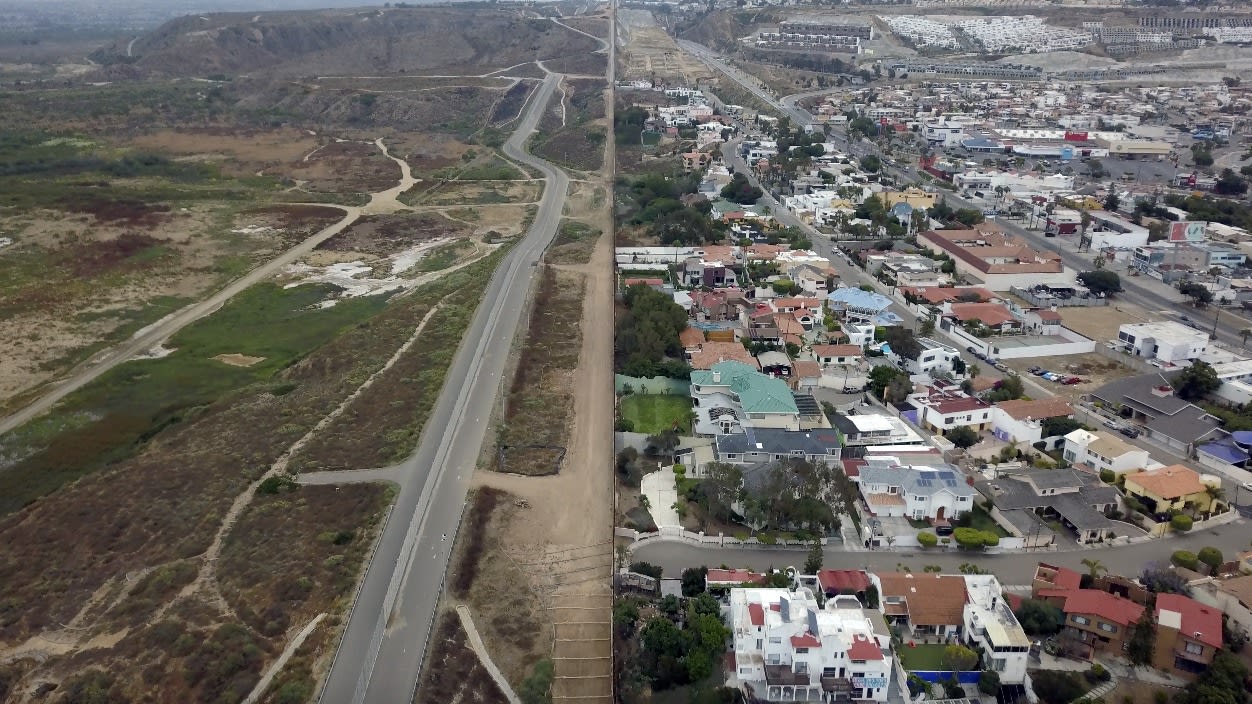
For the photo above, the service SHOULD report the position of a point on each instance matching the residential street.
(1015, 568)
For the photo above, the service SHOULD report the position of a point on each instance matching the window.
(1194, 649)
(1081, 620)
(802, 668)
(1108, 627)
(773, 659)
(802, 651)
(758, 643)
(999, 664)
(775, 639)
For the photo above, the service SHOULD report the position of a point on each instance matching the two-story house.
(838, 355)
(732, 397)
(788, 648)
(919, 493)
(941, 408)
(1021, 420)
(1101, 450)
(1095, 621)
(875, 429)
(990, 625)
(1188, 635)
(933, 357)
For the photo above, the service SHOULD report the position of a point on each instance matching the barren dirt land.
(152, 544)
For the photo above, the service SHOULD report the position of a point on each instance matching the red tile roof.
(959, 405)
(1199, 622)
(838, 350)
(756, 614)
(990, 314)
(852, 468)
(1121, 611)
(805, 640)
(863, 649)
(711, 353)
(691, 337)
(851, 581)
(1062, 577)
(805, 369)
(733, 577)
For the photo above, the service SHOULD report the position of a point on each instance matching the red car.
(1071, 380)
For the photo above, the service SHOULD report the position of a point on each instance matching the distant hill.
(393, 41)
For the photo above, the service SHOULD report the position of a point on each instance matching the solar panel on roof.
(946, 475)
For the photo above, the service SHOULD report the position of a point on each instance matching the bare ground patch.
(382, 235)
(452, 671)
(538, 414)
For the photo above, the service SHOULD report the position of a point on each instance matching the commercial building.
(995, 260)
(1165, 341)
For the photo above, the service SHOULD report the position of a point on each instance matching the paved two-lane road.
(380, 656)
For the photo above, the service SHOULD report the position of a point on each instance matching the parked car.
(1042, 372)
(1071, 380)
(1129, 431)
(1033, 370)
(971, 350)
(944, 529)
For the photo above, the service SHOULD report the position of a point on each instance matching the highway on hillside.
(380, 656)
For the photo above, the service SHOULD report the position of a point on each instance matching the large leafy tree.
(1142, 639)
(1101, 281)
(962, 436)
(1196, 381)
(721, 488)
(648, 332)
(1039, 618)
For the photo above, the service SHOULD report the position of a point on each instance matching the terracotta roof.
(805, 640)
(991, 314)
(843, 580)
(806, 369)
(1063, 577)
(1172, 482)
(756, 614)
(884, 499)
(933, 599)
(1021, 409)
(1048, 315)
(1240, 588)
(1097, 603)
(852, 467)
(1199, 622)
(838, 350)
(691, 337)
(787, 324)
(863, 648)
(959, 405)
(711, 353)
(718, 576)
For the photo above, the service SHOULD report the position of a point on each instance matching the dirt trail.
(563, 540)
(387, 201)
(277, 666)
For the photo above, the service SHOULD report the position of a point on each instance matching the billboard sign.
(867, 682)
(1072, 136)
(1188, 231)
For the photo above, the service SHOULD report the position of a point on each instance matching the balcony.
(782, 675)
(837, 685)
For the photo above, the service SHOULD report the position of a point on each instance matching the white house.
(990, 624)
(875, 429)
(934, 356)
(1022, 420)
(732, 396)
(1166, 341)
(934, 493)
(942, 407)
(788, 648)
(1101, 450)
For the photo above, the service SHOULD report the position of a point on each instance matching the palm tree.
(1215, 494)
(1095, 568)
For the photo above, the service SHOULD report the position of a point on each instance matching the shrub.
(989, 682)
(1108, 476)
(1181, 523)
(647, 568)
(1210, 556)
(927, 540)
(1185, 558)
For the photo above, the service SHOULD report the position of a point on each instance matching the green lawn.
(922, 658)
(655, 413)
(982, 520)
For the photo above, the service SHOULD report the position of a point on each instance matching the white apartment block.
(787, 648)
(990, 623)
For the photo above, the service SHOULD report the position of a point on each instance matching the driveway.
(662, 492)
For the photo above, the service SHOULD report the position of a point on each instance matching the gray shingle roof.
(778, 441)
(920, 481)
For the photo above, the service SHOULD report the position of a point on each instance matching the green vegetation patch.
(111, 418)
(444, 256)
(574, 243)
(922, 658)
(654, 414)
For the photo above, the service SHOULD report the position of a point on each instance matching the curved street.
(379, 658)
